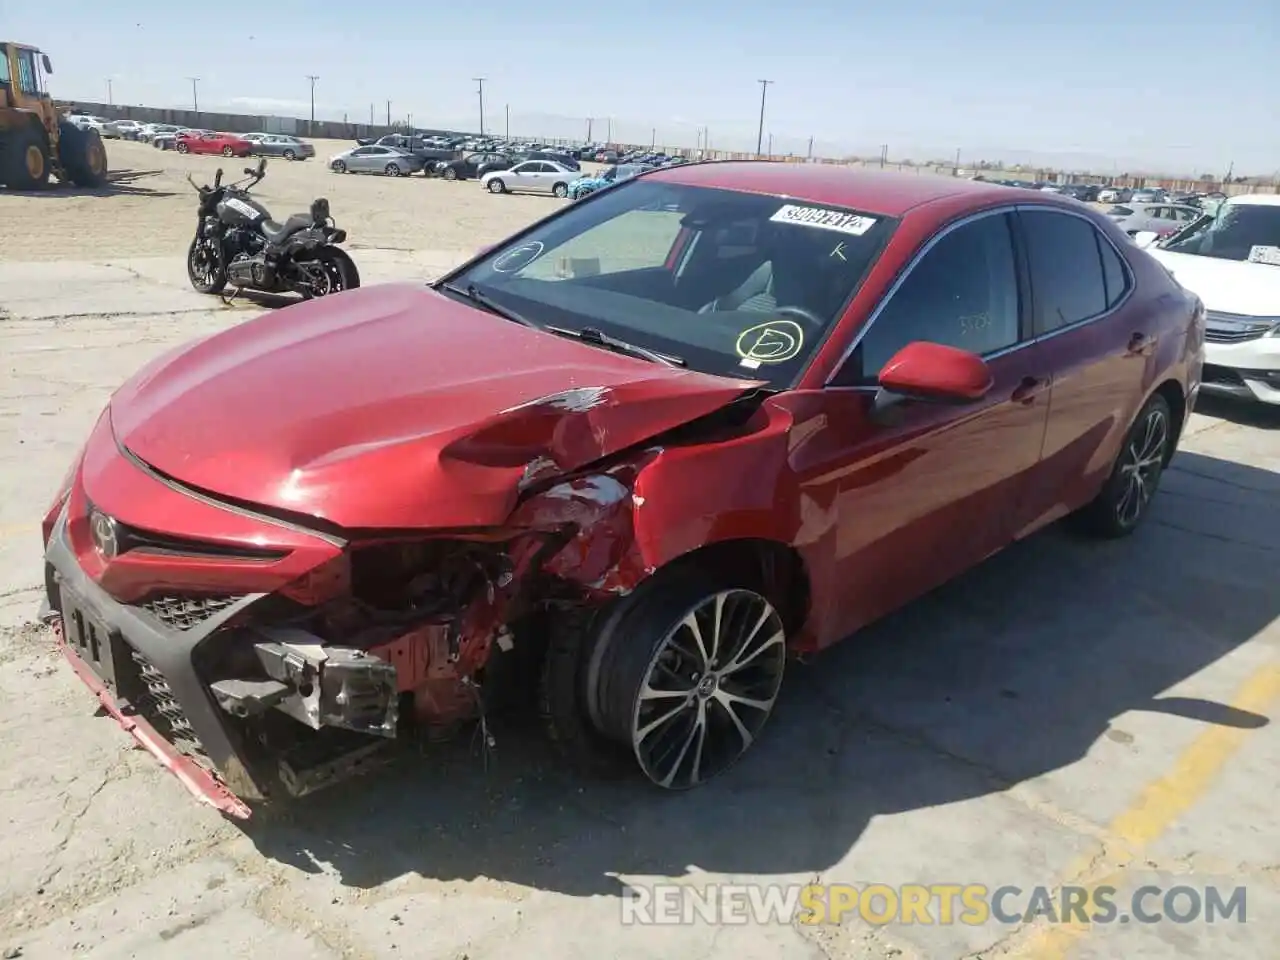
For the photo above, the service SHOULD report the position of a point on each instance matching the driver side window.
(962, 293)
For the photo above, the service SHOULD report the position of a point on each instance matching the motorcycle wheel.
(205, 270)
(332, 271)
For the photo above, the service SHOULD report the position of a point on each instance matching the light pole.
(110, 99)
(480, 82)
(507, 113)
(311, 130)
(764, 89)
(195, 98)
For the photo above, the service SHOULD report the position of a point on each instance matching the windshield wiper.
(472, 293)
(598, 338)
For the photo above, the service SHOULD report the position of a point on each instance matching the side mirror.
(44, 62)
(1145, 238)
(936, 373)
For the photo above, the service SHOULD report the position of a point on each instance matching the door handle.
(1027, 391)
(1139, 345)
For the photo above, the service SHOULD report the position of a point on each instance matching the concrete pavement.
(1069, 713)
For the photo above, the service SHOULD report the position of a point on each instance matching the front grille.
(157, 704)
(183, 613)
(1235, 327)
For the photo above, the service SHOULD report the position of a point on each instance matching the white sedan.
(531, 176)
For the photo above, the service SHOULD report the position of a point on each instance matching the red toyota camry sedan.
(633, 458)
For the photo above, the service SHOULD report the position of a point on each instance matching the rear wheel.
(205, 269)
(82, 155)
(330, 272)
(290, 155)
(1123, 502)
(24, 160)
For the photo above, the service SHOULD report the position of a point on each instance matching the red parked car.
(634, 456)
(227, 144)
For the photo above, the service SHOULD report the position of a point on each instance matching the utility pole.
(507, 114)
(610, 129)
(957, 173)
(388, 114)
(371, 114)
(480, 83)
(764, 89)
(311, 130)
(195, 98)
(811, 146)
(884, 155)
(771, 146)
(110, 99)
(653, 138)
(588, 129)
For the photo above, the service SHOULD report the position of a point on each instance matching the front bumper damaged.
(146, 675)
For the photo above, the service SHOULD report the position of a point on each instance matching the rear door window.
(1067, 280)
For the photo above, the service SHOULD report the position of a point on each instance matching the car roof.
(875, 191)
(1256, 199)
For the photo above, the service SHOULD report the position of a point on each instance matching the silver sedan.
(1159, 218)
(375, 159)
(280, 145)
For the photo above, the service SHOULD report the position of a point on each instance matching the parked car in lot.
(375, 159)
(107, 129)
(280, 145)
(637, 455)
(1114, 194)
(226, 144)
(169, 139)
(150, 131)
(1151, 195)
(128, 129)
(1162, 218)
(1231, 259)
(531, 176)
(472, 166)
(585, 186)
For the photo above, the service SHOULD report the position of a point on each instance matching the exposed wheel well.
(777, 567)
(1171, 390)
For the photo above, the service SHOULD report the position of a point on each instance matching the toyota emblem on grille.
(105, 535)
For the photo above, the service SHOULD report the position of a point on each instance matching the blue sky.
(1115, 86)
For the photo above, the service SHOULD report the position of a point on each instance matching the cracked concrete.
(1069, 712)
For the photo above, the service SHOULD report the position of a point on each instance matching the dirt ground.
(1069, 715)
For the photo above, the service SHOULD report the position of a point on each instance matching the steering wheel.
(808, 316)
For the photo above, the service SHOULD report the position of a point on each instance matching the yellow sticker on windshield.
(776, 341)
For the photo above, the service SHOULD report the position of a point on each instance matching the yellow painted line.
(1161, 803)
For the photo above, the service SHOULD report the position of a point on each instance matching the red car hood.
(395, 406)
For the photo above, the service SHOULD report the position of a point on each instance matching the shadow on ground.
(1010, 672)
(1248, 413)
(127, 183)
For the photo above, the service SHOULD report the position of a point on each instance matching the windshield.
(1235, 231)
(735, 284)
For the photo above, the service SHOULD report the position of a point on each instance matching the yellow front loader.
(36, 140)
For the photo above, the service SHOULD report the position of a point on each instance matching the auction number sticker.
(838, 220)
(774, 342)
(1265, 254)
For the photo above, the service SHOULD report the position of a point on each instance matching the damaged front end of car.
(278, 693)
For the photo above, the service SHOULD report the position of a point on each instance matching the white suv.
(1231, 260)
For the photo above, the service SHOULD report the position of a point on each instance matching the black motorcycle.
(237, 244)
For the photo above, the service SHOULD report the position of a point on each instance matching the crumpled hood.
(395, 406)
(1226, 285)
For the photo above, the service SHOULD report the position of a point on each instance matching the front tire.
(290, 155)
(497, 186)
(560, 190)
(450, 173)
(82, 155)
(181, 147)
(205, 268)
(1122, 504)
(681, 678)
(392, 170)
(24, 159)
(339, 167)
(228, 152)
